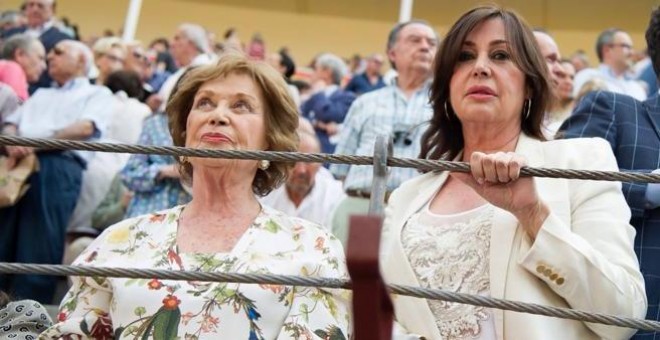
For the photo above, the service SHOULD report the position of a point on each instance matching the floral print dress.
(117, 308)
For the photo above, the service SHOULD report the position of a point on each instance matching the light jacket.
(586, 242)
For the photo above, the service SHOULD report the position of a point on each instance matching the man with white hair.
(189, 47)
(39, 15)
(328, 104)
(33, 229)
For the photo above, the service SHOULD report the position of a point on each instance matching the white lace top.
(452, 252)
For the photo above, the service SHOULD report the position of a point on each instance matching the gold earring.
(264, 164)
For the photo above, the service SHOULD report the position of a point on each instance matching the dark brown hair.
(281, 115)
(444, 137)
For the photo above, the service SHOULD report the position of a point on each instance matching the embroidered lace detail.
(455, 257)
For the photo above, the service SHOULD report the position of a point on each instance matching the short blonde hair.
(592, 85)
(105, 44)
(281, 114)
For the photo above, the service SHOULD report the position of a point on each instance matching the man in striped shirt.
(401, 111)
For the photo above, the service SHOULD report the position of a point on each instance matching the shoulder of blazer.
(653, 103)
(618, 104)
(576, 153)
(16, 30)
(412, 186)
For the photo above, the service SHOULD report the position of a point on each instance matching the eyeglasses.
(57, 50)
(138, 55)
(114, 58)
(622, 45)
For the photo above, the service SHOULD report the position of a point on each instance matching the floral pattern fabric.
(117, 308)
(452, 252)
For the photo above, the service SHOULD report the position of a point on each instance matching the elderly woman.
(234, 105)
(109, 56)
(555, 242)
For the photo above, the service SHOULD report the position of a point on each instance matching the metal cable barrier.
(427, 293)
(422, 164)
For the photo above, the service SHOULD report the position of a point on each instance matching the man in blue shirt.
(401, 110)
(327, 107)
(371, 79)
(33, 229)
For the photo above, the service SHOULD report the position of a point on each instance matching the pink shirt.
(12, 74)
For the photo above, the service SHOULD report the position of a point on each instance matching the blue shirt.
(385, 111)
(360, 84)
(618, 84)
(140, 174)
(52, 109)
(157, 80)
(330, 105)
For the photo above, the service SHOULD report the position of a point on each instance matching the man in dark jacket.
(632, 128)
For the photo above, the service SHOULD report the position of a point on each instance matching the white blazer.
(586, 241)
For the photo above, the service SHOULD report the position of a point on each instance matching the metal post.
(382, 149)
(405, 11)
(131, 22)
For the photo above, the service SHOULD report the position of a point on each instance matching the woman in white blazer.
(556, 242)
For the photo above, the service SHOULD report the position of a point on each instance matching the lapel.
(424, 195)
(505, 227)
(503, 234)
(400, 270)
(652, 109)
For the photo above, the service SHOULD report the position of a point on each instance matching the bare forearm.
(77, 131)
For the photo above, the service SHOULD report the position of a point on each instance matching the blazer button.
(560, 281)
(547, 272)
(553, 276)
(540, 269)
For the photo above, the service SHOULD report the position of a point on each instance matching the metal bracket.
(382, 150)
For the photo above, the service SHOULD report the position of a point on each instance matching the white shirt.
(36, 32)
(52, 109)
(126, 123)
(124, 127)
(318, 206)
(618, 84)
(168, 85)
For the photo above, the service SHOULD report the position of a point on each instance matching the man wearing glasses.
(614, 48)
(400, 110)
